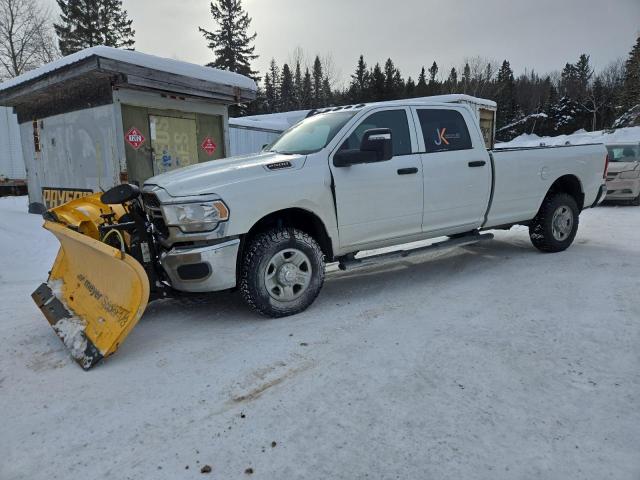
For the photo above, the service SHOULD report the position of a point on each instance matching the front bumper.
(203, 269)
(623, 189)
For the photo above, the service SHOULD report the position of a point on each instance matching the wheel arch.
(569, 184)
(296, 217)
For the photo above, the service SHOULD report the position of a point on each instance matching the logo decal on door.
(441, 137)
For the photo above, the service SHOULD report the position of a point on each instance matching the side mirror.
(376, 146)
(378, 140)
(120, 194)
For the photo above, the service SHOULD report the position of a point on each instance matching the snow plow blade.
(94, 296)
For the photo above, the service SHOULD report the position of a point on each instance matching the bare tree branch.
(26, 37)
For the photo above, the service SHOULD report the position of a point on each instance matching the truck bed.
(523, 176)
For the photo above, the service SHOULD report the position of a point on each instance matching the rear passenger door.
(456, 169)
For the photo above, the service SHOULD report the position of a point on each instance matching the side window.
(444, 130)
(396, 120)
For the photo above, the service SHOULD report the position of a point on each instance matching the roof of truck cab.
(293, 117)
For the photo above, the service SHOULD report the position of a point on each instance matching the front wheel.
(555, 226)
(636, 201)
(282, 272)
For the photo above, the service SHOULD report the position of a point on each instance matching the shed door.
(173, 142)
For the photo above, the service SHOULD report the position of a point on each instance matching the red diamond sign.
(209, 146)
(135, 138)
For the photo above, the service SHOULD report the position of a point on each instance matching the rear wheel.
(282, 272)
(555, 226)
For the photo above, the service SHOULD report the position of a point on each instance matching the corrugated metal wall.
(244, 141)
(11, 162)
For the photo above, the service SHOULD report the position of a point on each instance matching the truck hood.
(205, 178)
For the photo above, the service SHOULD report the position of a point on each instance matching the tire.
(555, 226)
(636, 201)
(282, 272)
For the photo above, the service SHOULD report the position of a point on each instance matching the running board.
(355, 263)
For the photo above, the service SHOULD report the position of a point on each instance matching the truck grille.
(152, 207)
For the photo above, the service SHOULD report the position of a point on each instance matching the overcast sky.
(543, 34)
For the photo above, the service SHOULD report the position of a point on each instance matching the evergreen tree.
(569, 84)
(584, 72)
(272, 88)
(421, 88)
(452, 81)
(307, 90)
(358, 89)
(434, 87)
(389, 84)
(505, 98)
(466, 78)
(287, 90)
(327, 94)
(398, 85)
(269, 93)
(631, 86)
(318, 77)
(88, 23)
(410, 88)
(377, 90)
(297, 85)
(231, 43)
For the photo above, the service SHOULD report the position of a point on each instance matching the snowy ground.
(487, 362)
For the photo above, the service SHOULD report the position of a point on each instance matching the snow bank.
(581, 137)
(141, 59)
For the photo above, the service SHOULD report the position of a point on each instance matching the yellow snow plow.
(97, 290)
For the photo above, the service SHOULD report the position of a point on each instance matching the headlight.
(629, 174)
(196, 217)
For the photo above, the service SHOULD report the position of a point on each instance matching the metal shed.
(12, 172)
(102, 116)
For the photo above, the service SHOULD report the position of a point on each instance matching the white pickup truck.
(357, 178)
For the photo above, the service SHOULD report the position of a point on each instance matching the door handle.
(407, 171)
(479, 163)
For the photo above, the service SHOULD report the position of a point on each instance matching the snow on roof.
(621, 135)
(176, 67)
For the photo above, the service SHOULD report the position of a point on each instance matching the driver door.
(382, 200)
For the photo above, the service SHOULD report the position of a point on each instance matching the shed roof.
(134, 69)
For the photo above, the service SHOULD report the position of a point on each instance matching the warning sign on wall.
(135, 138)
(209, 146)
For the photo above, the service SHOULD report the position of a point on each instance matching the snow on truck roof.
(140, 59)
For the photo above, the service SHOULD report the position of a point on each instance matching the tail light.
(606, 167)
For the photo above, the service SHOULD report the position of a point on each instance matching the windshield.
(624, 153)
(312, 134)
